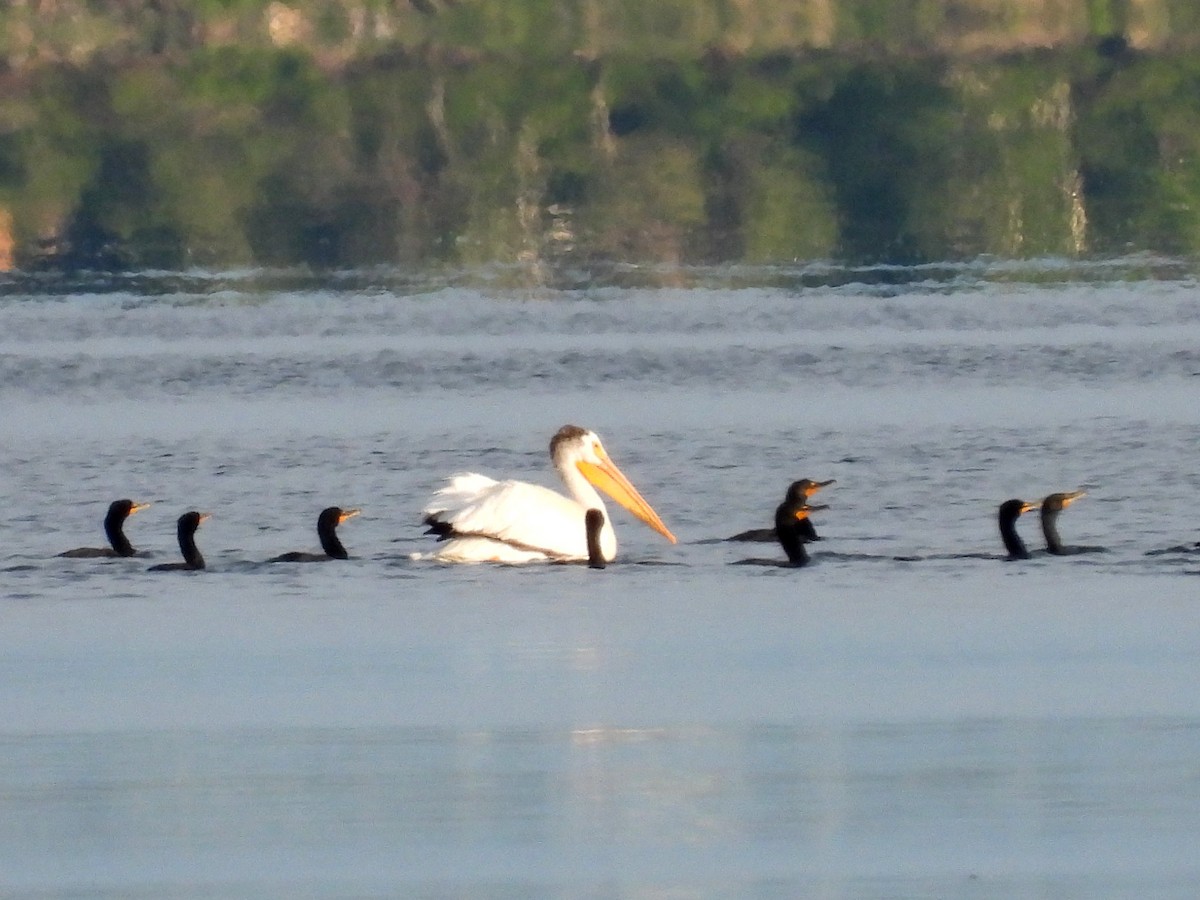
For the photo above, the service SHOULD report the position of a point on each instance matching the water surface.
(673, 725)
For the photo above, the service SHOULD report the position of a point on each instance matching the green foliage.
(1008, 186)
(887, 137)
(535, 30)
(652, 205)
(891, 22)
(1107, 16)
(502, 146)
(790, 213)
(54, 151)
(1139, 143)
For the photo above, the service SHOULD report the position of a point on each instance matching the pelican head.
(575, 449)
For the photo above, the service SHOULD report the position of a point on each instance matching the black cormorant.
(327, 522)
(188, 523)
(593, 521)
(1010, 511)
(593, 525)
(798, 491)
(791, 530)
(114, 527)
(1176, 549)
(1051, 507)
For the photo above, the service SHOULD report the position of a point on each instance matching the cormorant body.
(114, 528)
(188, 523)
(327, 522)
(1177, 549)
(798, 492)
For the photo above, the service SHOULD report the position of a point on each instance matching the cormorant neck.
(1012, 541)
(330, 542)
(585, 494)
(187, 544)
(1050, 530)
(116, 536)
(594, 523)
(795, 551)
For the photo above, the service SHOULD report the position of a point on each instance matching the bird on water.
(792, 527)
(593, 522)
(480, 519)
(1010, 511)
(798, 492)
(186, 530)
(114, 528)
(327, 522)
(1051, 507)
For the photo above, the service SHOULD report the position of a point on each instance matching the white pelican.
(484, 520)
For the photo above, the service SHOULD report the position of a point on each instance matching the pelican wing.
(525, 516)
(460, 490)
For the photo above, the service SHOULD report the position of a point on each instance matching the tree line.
(554, 153)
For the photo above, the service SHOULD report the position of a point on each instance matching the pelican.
(484, 520)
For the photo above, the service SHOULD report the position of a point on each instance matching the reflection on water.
(685, 138)
(987, 808)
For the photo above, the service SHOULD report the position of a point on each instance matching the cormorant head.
(1056, 503)
(333, 516)
(1011, 509)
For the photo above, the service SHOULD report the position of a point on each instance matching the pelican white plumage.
(479, 519)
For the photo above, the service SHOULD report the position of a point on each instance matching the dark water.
(670, 726)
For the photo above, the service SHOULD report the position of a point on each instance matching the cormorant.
(327, 522)
(1177, 549)
(114, 527)
(188, 523)
(791, 529)
(593, 522)
(1010, 511)
(1051, 507)
(798, 491)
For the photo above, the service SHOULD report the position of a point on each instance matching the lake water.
(672, 726)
